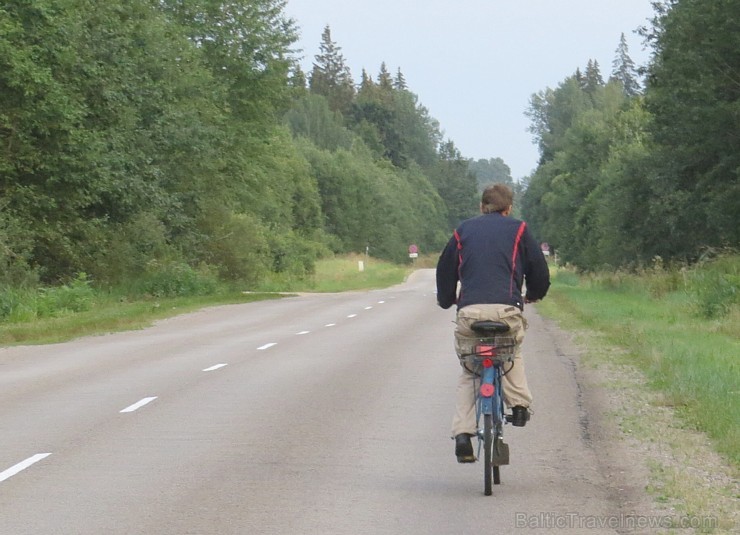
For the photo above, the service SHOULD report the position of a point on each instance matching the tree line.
(148, 134)
(628, 174)
(158, 135)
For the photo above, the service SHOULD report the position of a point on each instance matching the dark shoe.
(520, 416)
(464, 448)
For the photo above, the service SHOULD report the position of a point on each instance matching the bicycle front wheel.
(488, 453)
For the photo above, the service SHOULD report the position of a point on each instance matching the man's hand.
(528, 300)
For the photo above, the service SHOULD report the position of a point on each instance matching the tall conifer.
(400, 82)
(624, 71)
(592, 79)
(385, 81)
(331, 76)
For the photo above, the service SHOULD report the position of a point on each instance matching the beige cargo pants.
(516, 391)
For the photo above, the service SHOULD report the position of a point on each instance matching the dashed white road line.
(215, 367)
(139, 404)
(13, 470)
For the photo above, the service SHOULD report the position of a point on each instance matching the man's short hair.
(496, 198)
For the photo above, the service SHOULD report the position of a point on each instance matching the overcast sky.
(474, 64)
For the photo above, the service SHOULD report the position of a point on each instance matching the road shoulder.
(657, 471)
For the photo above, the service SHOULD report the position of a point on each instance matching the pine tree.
(592, 79)
(624, 71)
(400, 82)
(579, 77)
(297, 80)
(367, 86)
(385, 82)
(331, 76)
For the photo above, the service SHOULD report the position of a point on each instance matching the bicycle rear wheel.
(488, 454)
(497, 442)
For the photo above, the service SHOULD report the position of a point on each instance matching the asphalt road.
(317, 414)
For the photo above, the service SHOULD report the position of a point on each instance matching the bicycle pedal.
(500, 453)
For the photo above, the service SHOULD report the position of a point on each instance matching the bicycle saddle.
(489, 327)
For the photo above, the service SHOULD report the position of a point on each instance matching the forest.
(629, 175)
(152, 137)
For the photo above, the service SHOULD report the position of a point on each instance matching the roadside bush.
(294, 255)
(10, 300)
(15, 247)
(77, 296)
(176, 279)
(657, 280)
(660, 280)
(236, 244)
(715, 286)
(21, 304)
(129, 247)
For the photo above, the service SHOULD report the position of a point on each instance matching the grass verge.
(692, 362)
(672, 379)
(80, 311)
(338, 274)
(111, 315)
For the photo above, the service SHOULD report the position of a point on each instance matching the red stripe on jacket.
(459, 260)
(514, 255)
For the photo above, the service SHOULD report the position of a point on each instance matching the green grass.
(74, 310)
(339, 274)
(691, 358)
(111, 315)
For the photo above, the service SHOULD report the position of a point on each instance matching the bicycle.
(492, 349)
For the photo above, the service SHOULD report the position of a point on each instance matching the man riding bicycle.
(491, 255)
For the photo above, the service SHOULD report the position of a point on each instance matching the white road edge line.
(368, 308)
(139, 404)
(330, 325)
(267, 346)
(13, 470)
(352, 316)
(302, 332)
(215, 367)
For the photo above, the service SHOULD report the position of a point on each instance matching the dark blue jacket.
(491, 255)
